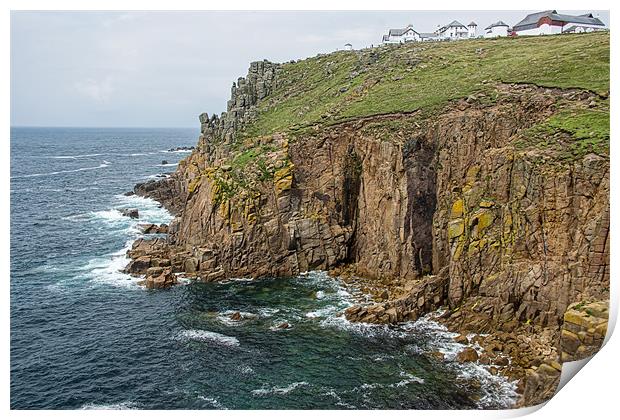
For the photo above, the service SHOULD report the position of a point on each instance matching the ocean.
(86, 336)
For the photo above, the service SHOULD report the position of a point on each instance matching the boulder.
(191, 265)
(467, 355)
(133, 213)
(139, 265)
(162, 281)
(461, 339)
(437, 355)
(150, 228)
(164, 162)
(236, 316)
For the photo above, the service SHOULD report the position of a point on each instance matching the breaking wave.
(279, 390)
(208, 336)
(104, 164)
(126, 405)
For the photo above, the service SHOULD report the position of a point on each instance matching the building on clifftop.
(496, 29)
(551, 22)
(472, 28)
(399, 36)
(454, 30)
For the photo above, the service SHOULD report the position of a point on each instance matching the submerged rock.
(181, 148)
(132, 213)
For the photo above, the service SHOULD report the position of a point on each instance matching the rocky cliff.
(486, 194)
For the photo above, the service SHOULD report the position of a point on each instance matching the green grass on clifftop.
(571, 133)
(424, 76)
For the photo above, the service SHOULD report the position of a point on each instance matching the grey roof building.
(498, 23)
(532, 20)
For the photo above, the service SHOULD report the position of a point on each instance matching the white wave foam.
(167, 164)
(46, 268)
(268, 312)
(323, 312)
(76, 156)
(224, 317)
(214, 402)
(246, 370)
(125, 405)
(90, 168)
(107, 270)
(279, 390)
(497, 391)
(149, 210)
(409, 378)
(383, 357)
(361, 328)
(237, 280)
(210, 336)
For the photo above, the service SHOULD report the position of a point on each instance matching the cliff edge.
(470, 176)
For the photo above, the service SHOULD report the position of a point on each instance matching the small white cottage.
(453, 30)
(496, 29)
(398, 36)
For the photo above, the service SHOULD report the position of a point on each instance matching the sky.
(163, 69)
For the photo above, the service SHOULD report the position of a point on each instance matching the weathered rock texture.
(245, 94)
(506, 237)
(584, 330)
(517, 235)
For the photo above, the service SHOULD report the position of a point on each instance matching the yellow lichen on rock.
(194, 184)
(457, 209)
(283, 179)
(480, 221)
(456, 228)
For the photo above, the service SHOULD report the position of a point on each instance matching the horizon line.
(95, 126)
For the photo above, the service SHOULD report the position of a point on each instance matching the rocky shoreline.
(492, 206)
(529, 355)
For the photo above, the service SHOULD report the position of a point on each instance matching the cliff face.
(523, 233)
(494, 204)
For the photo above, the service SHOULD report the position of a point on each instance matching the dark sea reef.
(489, 202)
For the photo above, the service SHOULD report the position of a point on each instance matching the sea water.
(84, 335)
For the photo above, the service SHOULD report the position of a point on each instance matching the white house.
(454, 30)
(551, 22)
(496, 29)
(397, 36)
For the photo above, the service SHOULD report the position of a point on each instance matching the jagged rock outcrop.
(167, 191)
(244, 95)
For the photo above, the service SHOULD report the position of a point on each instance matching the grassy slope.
(350, 84)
